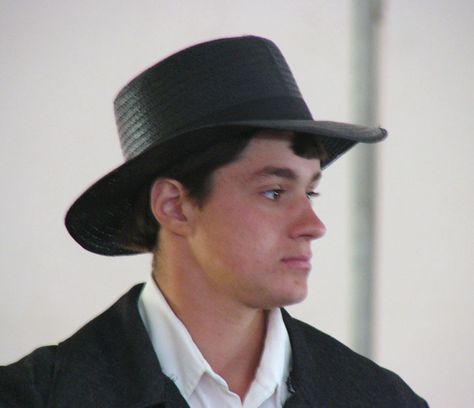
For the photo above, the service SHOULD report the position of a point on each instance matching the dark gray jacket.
(110, 363)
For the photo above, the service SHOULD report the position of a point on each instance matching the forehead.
(271, 150)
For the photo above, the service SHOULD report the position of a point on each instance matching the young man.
(222, 161)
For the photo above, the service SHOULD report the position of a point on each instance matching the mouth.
(301, 262)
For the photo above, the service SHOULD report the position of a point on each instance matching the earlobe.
(166, 203)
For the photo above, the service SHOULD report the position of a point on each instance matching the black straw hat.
(203, 92)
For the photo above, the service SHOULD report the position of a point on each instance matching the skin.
(246, 250)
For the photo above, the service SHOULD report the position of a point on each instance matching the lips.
(298, 262)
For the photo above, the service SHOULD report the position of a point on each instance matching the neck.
(230, 336)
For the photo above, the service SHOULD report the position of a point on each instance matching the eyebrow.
(282, 172)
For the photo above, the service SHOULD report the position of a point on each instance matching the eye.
(312, 194)
(273, 194)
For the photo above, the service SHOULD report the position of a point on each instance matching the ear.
(167, 197)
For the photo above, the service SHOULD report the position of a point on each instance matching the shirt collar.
(274, 366)
(179, 357)
(181, 360)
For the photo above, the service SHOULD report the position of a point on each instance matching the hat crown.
(221, 81)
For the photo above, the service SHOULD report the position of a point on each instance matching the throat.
(229, 335)
(234, 352)
(233, 348)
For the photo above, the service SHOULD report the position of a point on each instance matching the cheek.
(250, 231)
(255, 249)
(239, 240)
(236, 226)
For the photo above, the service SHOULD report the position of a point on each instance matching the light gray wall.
(62, 64)
(425, 306)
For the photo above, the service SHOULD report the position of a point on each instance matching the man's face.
(251, 239)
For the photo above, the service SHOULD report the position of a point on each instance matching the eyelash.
(312, 194)
(278, 192)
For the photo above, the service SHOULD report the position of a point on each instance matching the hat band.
(272, 108)
(277, 108)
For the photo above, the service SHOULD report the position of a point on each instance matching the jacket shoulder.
(49, 373)
(342, 375)
(109, 362)
(27, 381)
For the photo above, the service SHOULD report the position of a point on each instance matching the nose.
(307, 225)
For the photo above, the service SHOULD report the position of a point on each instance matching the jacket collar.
(305, 377)
(110, 362)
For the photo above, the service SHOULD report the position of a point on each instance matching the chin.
(294, 301)
(296, 296)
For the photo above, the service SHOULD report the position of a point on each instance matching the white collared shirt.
(201, 387)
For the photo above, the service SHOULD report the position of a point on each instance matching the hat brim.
(96, 218)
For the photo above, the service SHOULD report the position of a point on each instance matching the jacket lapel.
(304, 382)
(325, 373)
(110, 362)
